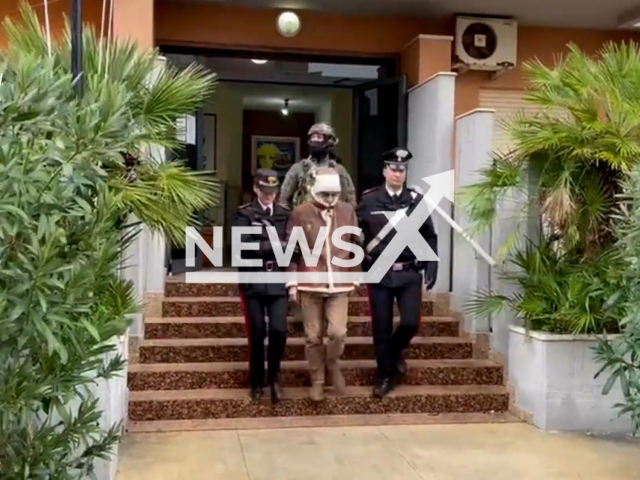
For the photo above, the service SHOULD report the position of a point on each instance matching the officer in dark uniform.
(408, 277)
(270, 297)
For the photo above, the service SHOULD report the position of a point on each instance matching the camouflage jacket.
(296, 187)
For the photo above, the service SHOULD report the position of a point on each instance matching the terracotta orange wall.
(214, 25)
(221, 26)
(426, 56)
(92, 13)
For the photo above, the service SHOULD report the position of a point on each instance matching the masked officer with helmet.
(259, 298)
(296, 187)
(406, 279)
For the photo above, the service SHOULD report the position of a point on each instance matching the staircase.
(192, 371)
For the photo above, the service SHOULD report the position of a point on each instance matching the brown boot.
(315, 357)
(337, 379)
(316, 393)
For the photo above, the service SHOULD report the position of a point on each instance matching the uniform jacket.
(372, 221)
(297, 183)
(310, 218)
(252, 215)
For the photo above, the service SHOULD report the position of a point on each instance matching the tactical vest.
(306, 180)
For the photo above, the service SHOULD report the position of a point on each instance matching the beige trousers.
(324, 315)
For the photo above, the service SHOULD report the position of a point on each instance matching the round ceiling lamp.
(258, 61)
(288, 24)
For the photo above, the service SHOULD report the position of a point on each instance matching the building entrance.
(263, 108)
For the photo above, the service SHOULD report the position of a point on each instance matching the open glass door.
(380, 124)
(192, 152)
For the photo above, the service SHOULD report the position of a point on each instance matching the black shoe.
(276, 392)
(256, 393)
(401, 371)
(402, 364)
(384, 386)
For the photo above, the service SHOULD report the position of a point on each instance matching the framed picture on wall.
(275, 153)
(210, 137)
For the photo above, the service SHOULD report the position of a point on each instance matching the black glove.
(430, 274)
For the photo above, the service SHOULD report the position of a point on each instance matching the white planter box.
(552, 376)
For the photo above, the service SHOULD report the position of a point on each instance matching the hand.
(293, 294)
(430, 276)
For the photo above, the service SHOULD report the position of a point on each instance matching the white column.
(430, 140)
(155, 246)
(474, 134)
(134, 270)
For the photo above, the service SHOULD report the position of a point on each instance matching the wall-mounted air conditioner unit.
(488, 44)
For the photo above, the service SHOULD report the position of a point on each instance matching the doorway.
(363, 99)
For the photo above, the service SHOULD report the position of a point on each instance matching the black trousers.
(254, 308)
(389, 344)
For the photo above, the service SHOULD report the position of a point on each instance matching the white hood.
(328, 182)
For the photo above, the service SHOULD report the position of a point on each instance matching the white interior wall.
(430, 140)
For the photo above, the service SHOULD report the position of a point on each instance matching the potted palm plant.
(556, 285)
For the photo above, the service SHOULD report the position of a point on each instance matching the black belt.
(404, 266)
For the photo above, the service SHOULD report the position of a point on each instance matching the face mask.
(318, 150)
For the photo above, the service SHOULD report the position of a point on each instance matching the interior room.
(259, 117)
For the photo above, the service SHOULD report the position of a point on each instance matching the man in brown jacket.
(324, 302)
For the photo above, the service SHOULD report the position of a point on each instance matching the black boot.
(383, 387)
(401, 368)
(256, 392)
(276, 392)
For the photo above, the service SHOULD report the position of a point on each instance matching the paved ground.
(430, 452)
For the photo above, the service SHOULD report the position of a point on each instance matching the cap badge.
(272, 181)
(401, 154)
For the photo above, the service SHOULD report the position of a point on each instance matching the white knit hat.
(327, 181)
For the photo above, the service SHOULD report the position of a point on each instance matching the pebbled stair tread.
(294, 393)
(302, 365)
(237, 299)
(205, 342)
(205, 320)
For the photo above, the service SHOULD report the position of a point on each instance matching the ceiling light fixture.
(257, 61)
(288, 24)
(285, 110)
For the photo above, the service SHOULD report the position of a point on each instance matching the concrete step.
(315, 421)
(235, 403)
(232, 307)
(187, 376)
(234, 327)
(236, 349)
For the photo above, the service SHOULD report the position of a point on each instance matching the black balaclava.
(319, 150)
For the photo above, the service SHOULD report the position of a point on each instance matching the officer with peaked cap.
(406, 279)
(258, 299)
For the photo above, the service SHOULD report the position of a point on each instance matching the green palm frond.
(165, 197)
(484, 304)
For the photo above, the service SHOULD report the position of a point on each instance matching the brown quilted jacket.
(311, 217)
